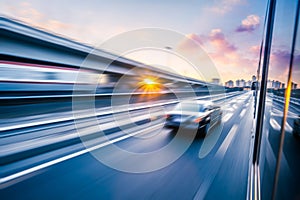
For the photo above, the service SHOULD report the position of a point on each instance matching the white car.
(194, 115)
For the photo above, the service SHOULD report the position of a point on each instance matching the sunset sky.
(229, 31)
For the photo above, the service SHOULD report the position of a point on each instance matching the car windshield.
(189, 107)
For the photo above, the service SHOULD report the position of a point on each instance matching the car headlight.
(198, 119)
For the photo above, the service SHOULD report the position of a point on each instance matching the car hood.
(187, 113)
(186, 116)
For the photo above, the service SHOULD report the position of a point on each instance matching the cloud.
(87, 27)
(218, 40)
(191, 41)
(255, 49)
(249, 24)
(230, 62)
(56, 25)
(24, 11)
(225, 6)
(195, 38)
(279, 65)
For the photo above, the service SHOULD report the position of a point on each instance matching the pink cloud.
(249, 24)
(218, 40)
(190, 42)
(255, 49)
(230, 62)
(195, 38)
(234, 65)
(279, 65)
(27, 13)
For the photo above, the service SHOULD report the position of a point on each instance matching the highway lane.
(220, 173)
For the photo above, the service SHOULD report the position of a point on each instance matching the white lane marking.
(288, 128)
(227, 117)
(233, 101)
(228, 108)
(70, 156)
(274, 124)
(277, 110)
(224, 147)
(213, 170)
(242, 113)
(87, 130)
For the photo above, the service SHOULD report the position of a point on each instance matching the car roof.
(202, 102)
(199, 102)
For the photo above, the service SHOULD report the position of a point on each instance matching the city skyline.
(275, 84)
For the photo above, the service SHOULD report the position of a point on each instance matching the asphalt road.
(214, 167)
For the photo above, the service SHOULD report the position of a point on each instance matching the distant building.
(269, 84)
(242, 83)
(248, 84)
(216, 81)
(273, 84)
(229, 84)
(237, 83)
(277, 85)
(294, 85)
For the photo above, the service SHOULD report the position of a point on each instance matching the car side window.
(207, 108)
(204, 109)
(216, 108)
